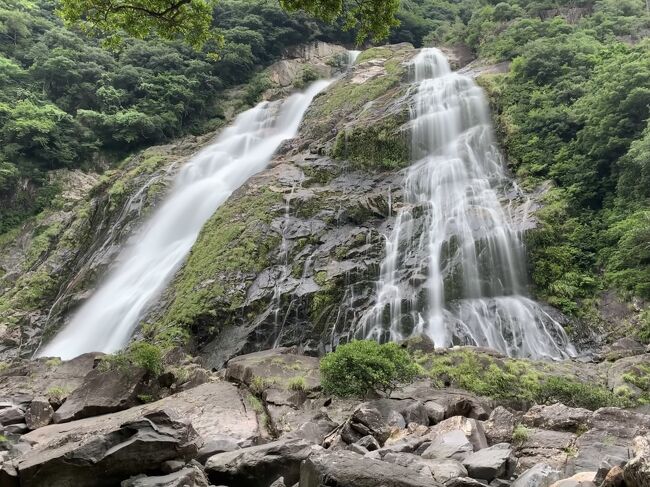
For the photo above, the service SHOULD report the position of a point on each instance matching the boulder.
(616, 478)
(540, 475)
(216, 444)
(554, 448)
(39, 413)
(582, 479)
(611, 430)
(368, 420)
(435, 412)
(345, 468)
(258, 466)
(490, 463)
(499, 426)
(637, 471)
(453, 444)
(138, 446)
(557, 417)
(215, 409)
(190, 476)
(464, 482)
(415, 412)
(369, 443)
(447, 469)
(471, 428)
(103, 392)
(455, 402)
(12, 415)
(278, 364)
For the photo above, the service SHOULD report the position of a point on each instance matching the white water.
(454, 267)
(106, 322)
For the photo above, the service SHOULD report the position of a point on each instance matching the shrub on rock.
(360, 367)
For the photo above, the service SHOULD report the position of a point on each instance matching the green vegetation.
(363, 366)
(231, 242)
(57, 393)
(297, 383)
(138, 354)
(639, 376)
(67, 102)
(513, 380)
(520, 434)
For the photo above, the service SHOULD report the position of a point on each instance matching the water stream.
(455, 267)
(108, 319)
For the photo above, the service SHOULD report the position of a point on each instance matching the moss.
(233, 243)
(57, 393)
(45, 238)
(379, 144)
(638, 376)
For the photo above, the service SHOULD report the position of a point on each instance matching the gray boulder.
(453, 444)
(191, 476)
(102, 392)
(490, 463)
(369, 443)
(499, 426)
(216, 444)
(39, 413)
(557, 417)
(139, 446)
(464, 482)
(541, 475)
(12, 415)
(258, 466)
(435, 412)
(345, 468)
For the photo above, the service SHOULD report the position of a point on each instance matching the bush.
(576, 394)
(363, 366)
(141, 354)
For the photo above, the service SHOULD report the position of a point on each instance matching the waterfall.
(106, 322)
(454, 267)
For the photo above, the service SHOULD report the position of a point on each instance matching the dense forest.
(573, 109)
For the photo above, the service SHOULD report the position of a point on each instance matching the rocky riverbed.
(254, 424)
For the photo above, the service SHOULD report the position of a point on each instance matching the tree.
(360, 367)
(192, 19)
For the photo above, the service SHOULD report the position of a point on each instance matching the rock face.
(557, 417)
(112, 457)
(324, 199)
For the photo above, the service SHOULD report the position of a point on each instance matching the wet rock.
(258, 466)
(39, 413)
(540, 475)
(191, 476)
(557, 417)
(499, 426)
(637, 471)
(491, 463)
(135, 447)
(419, 343)
(345, 468)
(453, 444)
(12, 415)
(102, 392)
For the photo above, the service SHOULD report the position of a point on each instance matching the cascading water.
(454, 260)
(107, 320)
